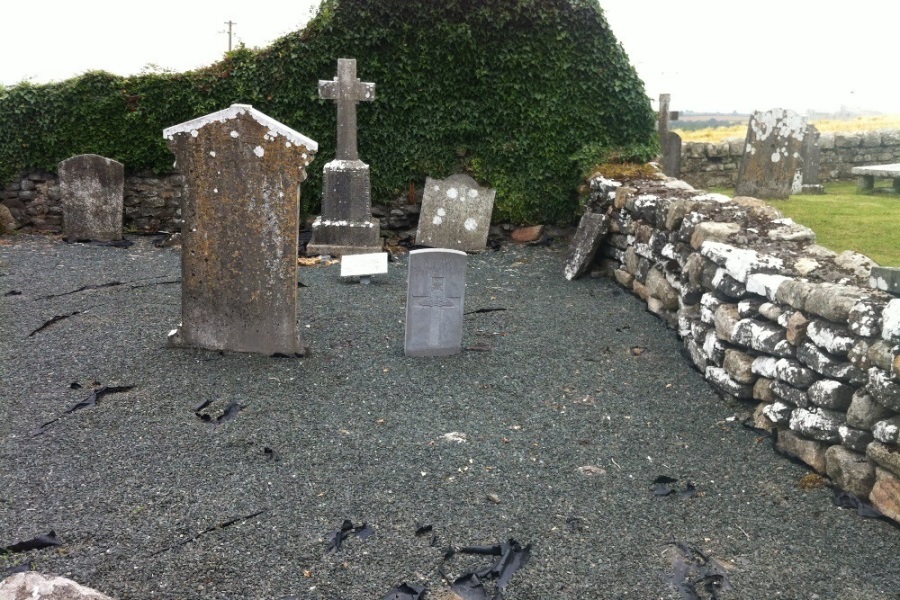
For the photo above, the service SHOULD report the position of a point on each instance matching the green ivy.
(522, 94)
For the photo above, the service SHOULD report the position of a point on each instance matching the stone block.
(855, 439)
(624, 278)
(883, 390)
(722, 381)
(661, 289)
(762, 337)
(859, 355)
(885, 494)
(890, 326)
(887, 431)
(790, 394)
(829, 366)
(809, 451)
(864, 412)
(880, 354)
(818, 424)
(833, 301)
(830, 337)
(740, 263)
(739, 366)
(712, 231)
(37, 586)
(762, 390)
(865, 318)
(851, 471)
(726, 319)
(830, 394)
(794, 292)
(885, 456)
(885, 278)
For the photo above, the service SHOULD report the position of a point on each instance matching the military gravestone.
(435, 295)
(242, 173)
(771, 154)
(346, 225)
(456, 214)
(92, 190)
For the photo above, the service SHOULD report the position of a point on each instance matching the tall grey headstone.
(435, 295)
(810, 157)
(669, 141)
(346, 225)
(242, 173)
(771, 154)
(456, 214)
(92, 191)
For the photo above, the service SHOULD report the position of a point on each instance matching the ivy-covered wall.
(525, 95)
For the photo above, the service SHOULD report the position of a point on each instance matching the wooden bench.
(865, 176)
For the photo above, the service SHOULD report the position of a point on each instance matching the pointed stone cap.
(234, 111)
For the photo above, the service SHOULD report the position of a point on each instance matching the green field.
(846, 220)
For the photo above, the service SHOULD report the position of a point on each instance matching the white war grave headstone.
(346, 225)
(771, 154)
(435, 295)
(456, 214)
(242, 173)
(92, 191)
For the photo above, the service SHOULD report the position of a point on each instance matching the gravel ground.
(150, 501)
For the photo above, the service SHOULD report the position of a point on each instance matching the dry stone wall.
(771, 318)
(705, 165)
(152, 202)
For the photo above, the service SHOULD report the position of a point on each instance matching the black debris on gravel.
(88, 402)
(406, 591)
(695, 574)
(334, 539)
(53, 320)
(38, 542)
(217, 527)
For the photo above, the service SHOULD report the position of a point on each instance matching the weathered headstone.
(435, 296)
(591, 232)
(456, 214)
(771, 154)
(92, 192)
(806, 181)
(364, 265)
(346, 225)
(669, 142)
(242, 173)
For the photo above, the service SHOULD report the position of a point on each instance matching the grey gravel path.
(138, 487)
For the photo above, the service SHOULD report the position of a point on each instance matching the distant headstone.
(771, 154)
(242, 172)
(346, 225)
(92, 191)
(669, 142)
(435, 296)
(591, 232)
(364, 265)
(810, 155)
(456, 214)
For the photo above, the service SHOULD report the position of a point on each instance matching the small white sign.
(361, 265)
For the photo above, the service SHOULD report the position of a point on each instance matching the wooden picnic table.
(865, 176)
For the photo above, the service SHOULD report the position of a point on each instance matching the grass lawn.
(846, 220)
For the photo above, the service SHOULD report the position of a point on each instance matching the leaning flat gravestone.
(456, 214)
(346, 225)
(590, 233)
(435, 295)
(771, 154)
(92, 190)
(242, 172)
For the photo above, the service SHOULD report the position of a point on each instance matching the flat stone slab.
(435, 295)
(364, 265)
(591, 232)
(878, 170)
(456, 214)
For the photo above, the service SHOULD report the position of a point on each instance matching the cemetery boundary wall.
(705, 164)
(770, 319)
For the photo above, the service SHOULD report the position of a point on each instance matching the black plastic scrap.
(336, 538)
(406, 591)
(22, 567)
(691, 568)
(90, 401)
(216, 527)
(843, 499)
(228, 414)
(36, 543)
(511, 557)
(13, 293)
(662, 486)
(83, 288)
(479, 311)
(53, 320)
(423, 529)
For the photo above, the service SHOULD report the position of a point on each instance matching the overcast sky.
(708, 54)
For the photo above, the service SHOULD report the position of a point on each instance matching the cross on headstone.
(436, 296)
(346, 90)
(665, 115)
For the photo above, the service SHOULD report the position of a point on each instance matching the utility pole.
(229, 23)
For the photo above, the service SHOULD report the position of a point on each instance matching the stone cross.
(665, 115)
(346, 90)
(669, 142)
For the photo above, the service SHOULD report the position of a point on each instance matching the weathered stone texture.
(92, 192)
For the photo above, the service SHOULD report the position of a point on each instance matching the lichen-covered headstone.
(456, 214)
(810, 154)
(242, 173)
(92, 192)
(346, 225)
(435, 295)
(591, 232)
(771, 154)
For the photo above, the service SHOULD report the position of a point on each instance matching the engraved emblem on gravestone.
(242, 172)
(771, 154)
(92, 192)
(456, 214)
(434, 302)
(346, 225)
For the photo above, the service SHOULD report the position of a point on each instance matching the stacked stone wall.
(769, 318)
(152, 202)
(706, 165)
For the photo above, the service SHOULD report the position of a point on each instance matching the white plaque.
(361, 265)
